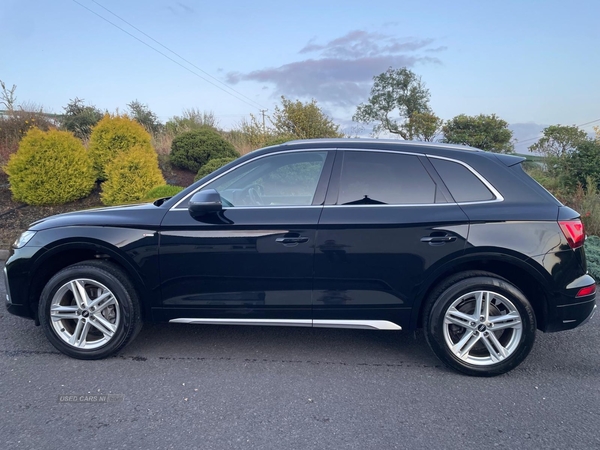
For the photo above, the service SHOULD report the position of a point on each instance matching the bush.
(130, 176)
(15, 125)
(50, 167)
(163, 191)
(114, 135)
(592, 254)
(586, 201)
(194, 149)
(80, 118)
(211, 166)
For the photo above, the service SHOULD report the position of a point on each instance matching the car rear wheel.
(89, 310)
(479, 324)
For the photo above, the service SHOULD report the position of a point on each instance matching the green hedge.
(211, 166)
(194, 149)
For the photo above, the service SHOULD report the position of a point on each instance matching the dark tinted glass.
(462, 183)
(384, 178)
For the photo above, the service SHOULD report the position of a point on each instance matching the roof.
(374, 142)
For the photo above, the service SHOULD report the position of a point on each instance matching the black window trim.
(325, 175)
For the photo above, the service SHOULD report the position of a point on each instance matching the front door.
(253, 260)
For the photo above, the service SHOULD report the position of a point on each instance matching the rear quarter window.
(461, 182)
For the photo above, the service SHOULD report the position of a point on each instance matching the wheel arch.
(522, 274)
(65, 254)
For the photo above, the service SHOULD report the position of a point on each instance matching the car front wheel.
(89, 310)
(479, 324)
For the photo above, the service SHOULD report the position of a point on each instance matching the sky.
(533, 63)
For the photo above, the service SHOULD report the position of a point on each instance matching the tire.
(466, 337)
(90, 310)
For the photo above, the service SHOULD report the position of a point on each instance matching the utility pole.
(263, 111)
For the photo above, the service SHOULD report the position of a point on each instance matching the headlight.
(23, 239)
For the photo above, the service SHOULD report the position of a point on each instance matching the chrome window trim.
(187, 197)
(493, 190)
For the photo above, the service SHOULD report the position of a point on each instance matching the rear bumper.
(571, 315)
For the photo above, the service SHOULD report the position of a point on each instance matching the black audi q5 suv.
(342, 233)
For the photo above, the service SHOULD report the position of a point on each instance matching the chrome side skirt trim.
(268, 322)
(358, 324)
(355, 324)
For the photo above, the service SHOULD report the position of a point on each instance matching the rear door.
(388, 219)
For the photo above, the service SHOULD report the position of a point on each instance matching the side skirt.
(357, 324)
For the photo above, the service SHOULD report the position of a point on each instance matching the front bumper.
(18, 282)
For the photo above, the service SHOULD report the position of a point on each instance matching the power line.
(537, 137)
(176, 54)
(166, 56)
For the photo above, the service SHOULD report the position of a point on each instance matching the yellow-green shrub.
(112, 136)
(166, 190)
(130, 175)
(50, 167)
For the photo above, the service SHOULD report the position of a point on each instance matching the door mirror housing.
(205, 202)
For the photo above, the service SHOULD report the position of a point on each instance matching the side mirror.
(205, 202)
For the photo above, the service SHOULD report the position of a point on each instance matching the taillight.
(573, 231)
(588, 290)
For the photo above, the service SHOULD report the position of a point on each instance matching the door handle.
(292, 240)
(438, 239)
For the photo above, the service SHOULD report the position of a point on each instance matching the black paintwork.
(321, 261)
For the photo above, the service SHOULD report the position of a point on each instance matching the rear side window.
(461, 182)
(372, 178)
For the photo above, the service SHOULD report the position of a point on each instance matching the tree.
(303, 120)
(583, 163)
(254, 132)
(192, 119)
(559, 140)
(397, 92)
(486, 132)
(7, 97)
(142, 114)
(80, 118)
(424, 126)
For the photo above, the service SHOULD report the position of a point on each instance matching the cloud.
(341, 70)
(437, 49)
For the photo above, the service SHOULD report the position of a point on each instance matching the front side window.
(381, 178)
(286, 179)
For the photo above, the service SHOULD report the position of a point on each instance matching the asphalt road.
(217, 387)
